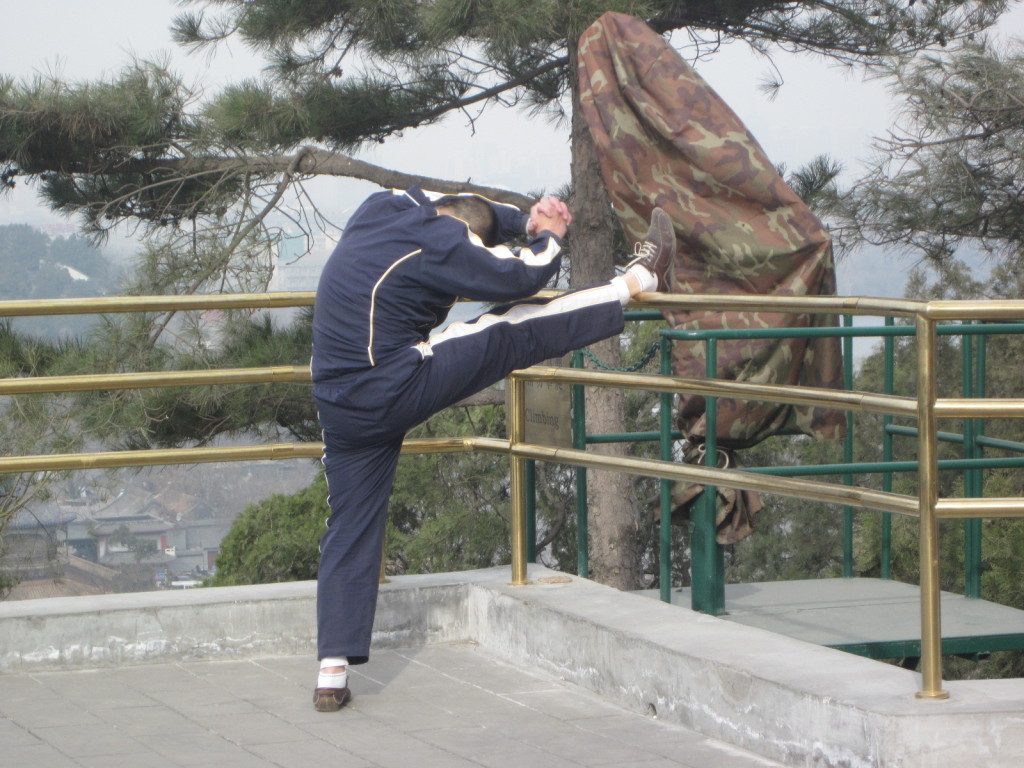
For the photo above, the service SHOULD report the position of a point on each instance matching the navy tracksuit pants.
(366, 414)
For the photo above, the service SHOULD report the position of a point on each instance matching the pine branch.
(497, 90)
(315, 161)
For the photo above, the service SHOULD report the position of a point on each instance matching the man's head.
(478, 215)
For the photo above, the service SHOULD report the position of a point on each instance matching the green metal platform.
(870, 617)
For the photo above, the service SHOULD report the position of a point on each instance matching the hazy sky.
(822, 108)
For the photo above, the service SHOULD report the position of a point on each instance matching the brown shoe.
(330, 699)
(658, 249)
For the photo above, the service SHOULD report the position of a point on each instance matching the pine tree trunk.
(614, 556)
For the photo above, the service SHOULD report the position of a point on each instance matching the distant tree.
(1003, 565)
(947, 181)
(451, 512)
(37, 266)
(7, 581)
(34, 347)
(30, 424)
(275, 540)
(82, 255)
(22, 249)
(951, 174)
(448, 513)
(1003, 571)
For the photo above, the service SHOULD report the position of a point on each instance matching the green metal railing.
(708, 569)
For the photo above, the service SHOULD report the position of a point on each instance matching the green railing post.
(981, 388)
(972, 477)
(889, 345)
(530, 478)
(708, 562)
(665, 486)
(848, 451)
(579, 442)
(968, 452)
(979, 437)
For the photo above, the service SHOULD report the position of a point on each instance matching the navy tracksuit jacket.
(397, 270)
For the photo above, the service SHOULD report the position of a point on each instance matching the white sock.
(333, 679)
(648, 280)
(621, 288)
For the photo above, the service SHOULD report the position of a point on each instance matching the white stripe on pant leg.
(521, 313)
(323, 460)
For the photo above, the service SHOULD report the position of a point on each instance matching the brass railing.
(927, 408)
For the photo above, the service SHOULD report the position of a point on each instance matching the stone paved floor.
(452, 706)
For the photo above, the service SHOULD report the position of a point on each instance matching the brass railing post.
(516, 434)
(928, 495)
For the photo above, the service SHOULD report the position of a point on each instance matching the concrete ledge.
(798, 703)
(223, 622)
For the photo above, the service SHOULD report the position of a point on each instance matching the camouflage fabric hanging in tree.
(665, 138)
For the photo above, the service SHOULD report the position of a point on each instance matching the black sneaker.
(657, 251)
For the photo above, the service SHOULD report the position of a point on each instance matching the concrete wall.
(797, 703)
(223, 622)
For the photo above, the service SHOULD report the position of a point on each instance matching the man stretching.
(405, 258)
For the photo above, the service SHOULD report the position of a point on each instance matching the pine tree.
(947, 184)
(951, 174)
(30, 424)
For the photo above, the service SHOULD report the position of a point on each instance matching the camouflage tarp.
(665, 138)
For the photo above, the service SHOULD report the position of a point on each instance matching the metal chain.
(641, 363)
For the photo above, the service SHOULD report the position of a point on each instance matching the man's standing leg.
(359, 480)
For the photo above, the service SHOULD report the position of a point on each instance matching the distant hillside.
(875, 271)
(37, 266)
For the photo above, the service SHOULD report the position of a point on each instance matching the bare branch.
(313, 160)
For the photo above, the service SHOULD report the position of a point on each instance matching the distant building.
(36, 555)
(127, 530)
(32, 540)
(74, 577)
(172, 533)
(153, 533)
